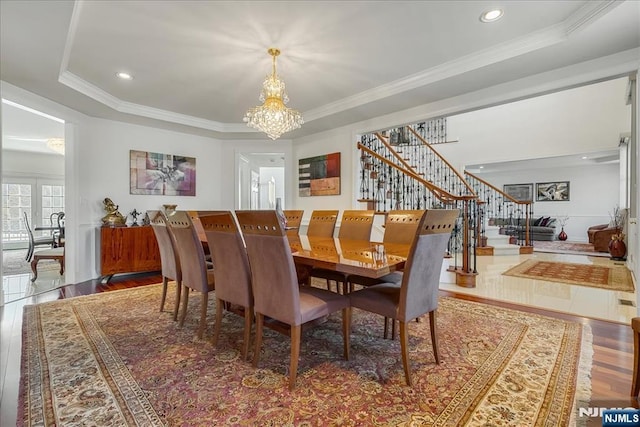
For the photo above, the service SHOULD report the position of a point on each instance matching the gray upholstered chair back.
(401, 225)
(168, 256)
(232, 272)
(419, 289)
(273, 273)
(190, 251)
(322, 223)
(356, 225)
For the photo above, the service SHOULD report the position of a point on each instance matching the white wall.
(342, 141)
(37, 165)
(586, 184)
(580, 120)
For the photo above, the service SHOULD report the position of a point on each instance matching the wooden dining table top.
(361, 257)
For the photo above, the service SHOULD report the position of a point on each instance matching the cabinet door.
(147, 253)
(117, 250)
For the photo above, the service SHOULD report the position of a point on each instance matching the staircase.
(500, 242)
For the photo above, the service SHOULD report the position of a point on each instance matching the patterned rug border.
(94, 333)
(619, 277)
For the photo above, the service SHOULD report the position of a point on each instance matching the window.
(39, 198)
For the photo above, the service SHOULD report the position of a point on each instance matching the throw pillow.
(537, 222)
(545, 221)
(551, 222)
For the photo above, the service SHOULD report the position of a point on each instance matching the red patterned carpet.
(112, 359)
(595, 276)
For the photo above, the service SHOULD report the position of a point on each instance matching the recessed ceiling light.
(124, 76)
(491, 15)
(584, 157)
(481, 167)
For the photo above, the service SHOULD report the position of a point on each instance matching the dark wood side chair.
(635, 381)
(232, 271)
(195, 274)
(35, 241)
(417, 294)
(275, 286)
(354, 225)
(168, 258)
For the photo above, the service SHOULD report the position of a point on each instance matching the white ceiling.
(199, 65)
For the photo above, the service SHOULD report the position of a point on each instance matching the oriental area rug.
(560, 247)
(113, 359)
(615, 278)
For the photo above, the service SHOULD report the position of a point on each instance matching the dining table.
(358, 257)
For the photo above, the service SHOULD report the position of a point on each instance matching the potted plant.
(617, 247)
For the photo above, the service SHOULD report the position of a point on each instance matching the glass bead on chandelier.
(273, 117)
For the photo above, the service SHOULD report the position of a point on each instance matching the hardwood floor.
(612, 342)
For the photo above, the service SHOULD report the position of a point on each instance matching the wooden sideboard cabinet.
(128, 250)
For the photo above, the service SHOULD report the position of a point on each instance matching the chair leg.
(295, 355)
(434, 335)
(165, 283)
(393, 329)
(248, 321)
(404, 343)
(258, 343)
(346, 331)
(216, 330)
(386, 328)
(176, 306)
(185, 302)
(203, 314)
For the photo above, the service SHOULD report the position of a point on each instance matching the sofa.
(542, 228)
(600, 236)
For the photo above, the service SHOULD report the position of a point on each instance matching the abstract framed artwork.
(162, 174)
(552, 191)
(520, 192)
(319, 175)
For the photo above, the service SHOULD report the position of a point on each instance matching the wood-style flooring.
(612, 342)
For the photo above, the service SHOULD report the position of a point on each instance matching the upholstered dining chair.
(354, 225)
(294, 219)
(275, 286)
(169, 259)
(232, 271)
(399, 227)
(417, 294)
(322, 223)
(35, 241)
(195, 274)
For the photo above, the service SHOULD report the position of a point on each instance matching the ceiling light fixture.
(273, 117)
(124, 76)
(491, 15)
(56, 144)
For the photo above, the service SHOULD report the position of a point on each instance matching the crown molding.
(583, 17)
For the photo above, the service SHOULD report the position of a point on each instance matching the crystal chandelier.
(273, 117)
(56, 144)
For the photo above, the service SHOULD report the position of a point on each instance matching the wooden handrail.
(442, 195)
(425, 142)
(502, 193)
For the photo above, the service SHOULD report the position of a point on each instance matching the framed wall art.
(319, 176)
(520, 192)
(552, 191)
(162, 174)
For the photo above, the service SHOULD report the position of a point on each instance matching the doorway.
(261, 180)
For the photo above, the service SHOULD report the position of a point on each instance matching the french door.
(38, 197)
